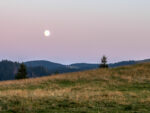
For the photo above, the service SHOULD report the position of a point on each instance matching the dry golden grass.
(122, 86)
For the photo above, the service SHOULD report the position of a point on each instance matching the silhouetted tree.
(103, 62)
(22, 72)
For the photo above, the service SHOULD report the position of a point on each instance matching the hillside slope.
(118, 90)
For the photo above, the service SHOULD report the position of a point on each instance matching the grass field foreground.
(118, 90)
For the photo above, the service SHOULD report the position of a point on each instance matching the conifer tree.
(103, 62)
(22, 72)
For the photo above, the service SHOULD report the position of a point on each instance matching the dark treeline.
(9, 69)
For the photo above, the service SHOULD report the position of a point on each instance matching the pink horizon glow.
(81, 31)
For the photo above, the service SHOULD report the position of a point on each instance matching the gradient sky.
(82, 30)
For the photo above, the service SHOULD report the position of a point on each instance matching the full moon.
(47, 33)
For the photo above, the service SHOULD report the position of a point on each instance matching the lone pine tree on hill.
(103, 62)
(22, 72)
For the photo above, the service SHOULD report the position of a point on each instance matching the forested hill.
(8, 69)
(38, 68)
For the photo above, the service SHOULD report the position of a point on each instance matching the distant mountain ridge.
(38, 68)
(50, 66)
(47, 64)
(77, 66)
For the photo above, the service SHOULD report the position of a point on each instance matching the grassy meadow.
(118, 90)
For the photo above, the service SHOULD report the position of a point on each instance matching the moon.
(47, 33)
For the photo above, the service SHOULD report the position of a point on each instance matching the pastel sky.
(81, 30)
